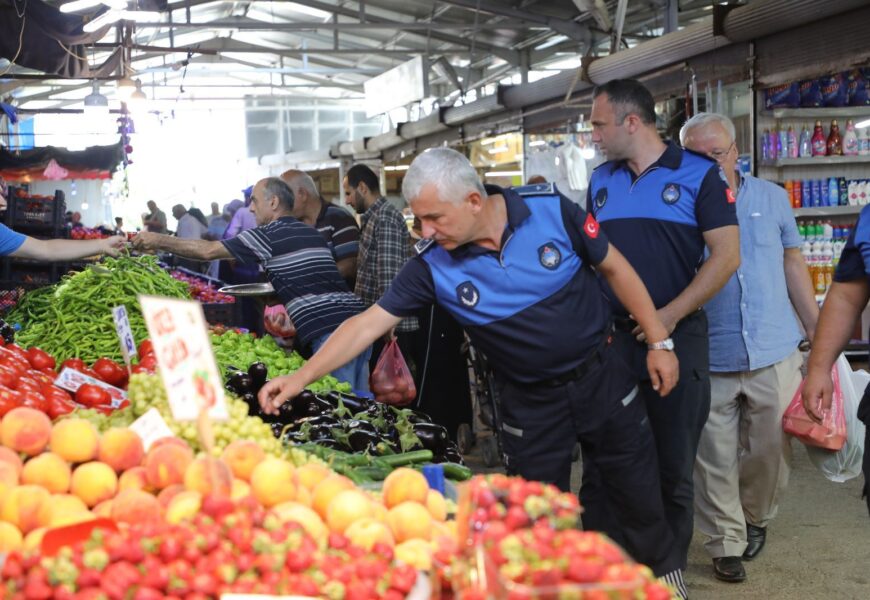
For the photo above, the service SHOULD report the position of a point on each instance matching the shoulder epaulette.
(423, 245)
(536, 189)
(700, 154)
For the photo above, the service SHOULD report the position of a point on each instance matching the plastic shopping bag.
(277, 321)
(391, 380)
(845, 463)
(830, 433)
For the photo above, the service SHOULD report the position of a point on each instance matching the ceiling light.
(556, 39)
(308, 10)
(137, 99)
(107, 18)
(95, 102)
(126, 86)
(537, 143)
(503, 173)
(140, 16)
(79, 5)
(498, 149)
(862, 124)
(397, 168)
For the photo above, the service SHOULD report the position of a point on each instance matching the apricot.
(61, 509)
(168, 493)
(326, 490)
(25, 430)
(11, 538)
(184, 506)
(307, 518)
(75, 440)
(135, 506)
(415, 552)
(33, 540)
(242, 456)
(405, 485)
(241, 489)
(94, 482)
(121, 448)
(134, 479)
(103, 509)
(367, 532)
(10, 457)
(48, 470)
(410, 520)
(8, 478)
(310, 474)
(437, 505)
(346, 507)
(21, 506)
(166, 464)
(209, 476)
(272, 482)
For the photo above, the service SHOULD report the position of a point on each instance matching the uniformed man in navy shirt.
(514, 267)
(660, 205)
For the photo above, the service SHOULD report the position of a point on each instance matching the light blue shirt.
(751, 320)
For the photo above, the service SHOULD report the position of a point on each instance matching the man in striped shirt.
(335, 224)
(297, 261)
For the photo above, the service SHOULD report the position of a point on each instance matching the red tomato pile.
(201, 290)
(225, 549)
(86, 233)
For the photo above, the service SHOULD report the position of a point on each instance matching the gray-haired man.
(742, 462)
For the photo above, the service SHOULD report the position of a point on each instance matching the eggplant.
(331, 443)
(452, 454)
(415, 416)
(433, 437)
(259, 373)
(361, 440)
(306, 404)
(358, 425)
(354, 404)
(240, 383)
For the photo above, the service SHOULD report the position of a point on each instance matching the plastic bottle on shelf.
(833, 191)
(796, 193)
(802, 230)
(792, 142)
(817, 193)
(805, 147)
(844, 194)
(827, 232)
(863, 188)
(818, 140)
(839, 243)
(853, 193)
(864, 141)
(789, 191)
(765, 145)
(834, 145)
(806, 193)
(818, 273)
(782, 144)
(850, 140)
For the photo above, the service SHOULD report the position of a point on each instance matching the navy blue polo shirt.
(855, 259)
(535, 308)
(658, 218)
(299, 263)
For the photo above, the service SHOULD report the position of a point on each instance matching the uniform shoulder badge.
(671, 193)
(536, 189)
(423, 245)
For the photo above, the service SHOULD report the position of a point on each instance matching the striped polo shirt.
(300, 265)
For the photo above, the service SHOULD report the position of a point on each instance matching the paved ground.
(818, 546)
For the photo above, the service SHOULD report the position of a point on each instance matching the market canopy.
(96, 162)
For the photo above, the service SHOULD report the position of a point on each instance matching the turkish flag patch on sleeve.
(591, 226)
(729, 193)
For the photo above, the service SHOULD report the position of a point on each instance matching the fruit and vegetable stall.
(103, 494)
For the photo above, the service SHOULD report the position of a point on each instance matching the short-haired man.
(335, 224)
(384, 248)
(155, 220)
(316, 297)
(516, 272)
(742, 465)
(660, 206)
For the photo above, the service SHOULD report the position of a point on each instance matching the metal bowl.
(249, 289)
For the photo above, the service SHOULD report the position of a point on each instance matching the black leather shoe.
(729, 568)
(755, 538)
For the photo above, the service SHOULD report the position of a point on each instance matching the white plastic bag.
(845, 463)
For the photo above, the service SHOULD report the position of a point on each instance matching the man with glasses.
(660, 206)
(742, 465)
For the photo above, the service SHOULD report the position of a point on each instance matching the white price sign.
(151, 427)
(125, 334)
(187, 366)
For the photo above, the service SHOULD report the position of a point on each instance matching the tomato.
(40, 359)
(140, 369)
(27, 383)
(9, 399)
(45, 381)
(15, 363)
(73, 363)
(8, 376)
(110, 372)
(34, 400)
(17, 350)
(92, 396)
(59, 403)
(145, 348)
(149, 362)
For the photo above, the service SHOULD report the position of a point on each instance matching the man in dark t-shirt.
(298, 263)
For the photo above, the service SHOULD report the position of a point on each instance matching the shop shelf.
(827, 211)
(834, 112)
(816, 161)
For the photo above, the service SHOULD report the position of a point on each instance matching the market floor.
(817, 547)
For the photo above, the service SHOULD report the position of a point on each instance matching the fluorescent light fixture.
(397, 168)
(537, 143)
(107, 18)
(126, 86)
(587, 153)
(503, 173)
(140, 16)
(556, 39)
(862, 124)
(79, 5)
(308, 10)
(498, 149)
(95, 102)
(489, 141)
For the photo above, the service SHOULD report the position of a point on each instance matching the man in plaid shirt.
(384, 248)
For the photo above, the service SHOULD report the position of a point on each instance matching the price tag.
(187, 366)
(151, 427)
(125, 334)
(71, 380)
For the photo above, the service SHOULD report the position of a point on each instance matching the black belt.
(592, 359)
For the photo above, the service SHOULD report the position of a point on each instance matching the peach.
(63, 509)
(242, 456)
(346, 507)
(165, 464)
(8, 478)
(48, 470)
(21, 506)
(326, 490)
(415, 552)
(103, 509)
(209, 476)
(134, 479)
(94, 482)
(10, 538)
(75, 440)
(135, 506)
(168, 493)
(241, 489)
(310, 474)
(168, 440)
(307, 518)
(437, 505)
(25, 430)
(121, 449)
(367, 532)
(184, 506)
(272, 482)
(10, 457)
(303, 495)
(405, 485)
(33, 540)
(410, 520)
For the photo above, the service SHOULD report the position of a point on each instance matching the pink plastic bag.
(391, 380)
(277, 321)
(831, 432)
